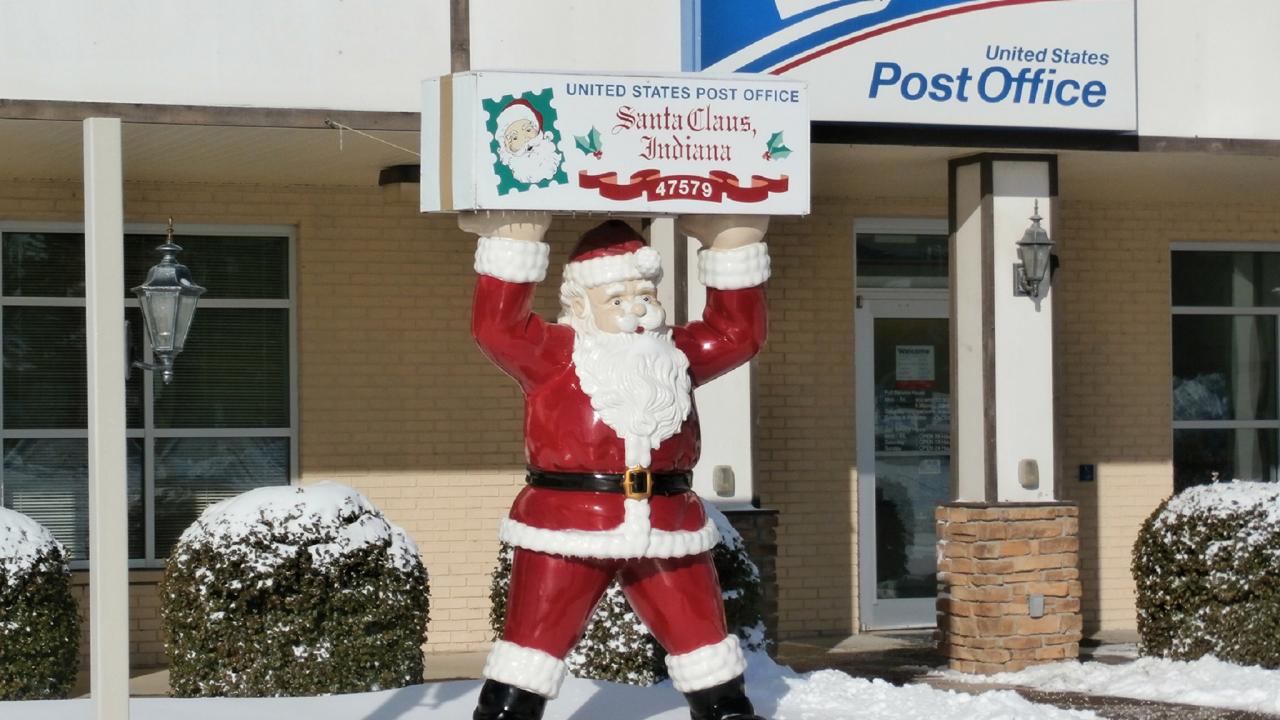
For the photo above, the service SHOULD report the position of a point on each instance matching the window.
(1226, 394)
(902, 253)
(226, 424)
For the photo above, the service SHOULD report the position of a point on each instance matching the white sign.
(1005, 63)
(616, 144)
(915, 365)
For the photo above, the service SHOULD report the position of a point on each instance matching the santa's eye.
(646, 299)
(617, 302)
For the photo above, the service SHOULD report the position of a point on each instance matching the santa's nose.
(638, 309)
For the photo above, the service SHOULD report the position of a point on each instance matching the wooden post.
(460, 35)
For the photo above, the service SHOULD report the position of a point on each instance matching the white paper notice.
(915, 364)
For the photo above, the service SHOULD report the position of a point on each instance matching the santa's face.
(518, 134)
(638, 382)
(626, 307)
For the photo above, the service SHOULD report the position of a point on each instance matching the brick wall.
(396, 401)
(146, 647)
(759, 530)
(1114, 385)
(394, 398)
(805, 462)
(994, 559)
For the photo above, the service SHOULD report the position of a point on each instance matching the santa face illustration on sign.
(524, 145)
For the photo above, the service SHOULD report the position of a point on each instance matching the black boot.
(500, 701)
(727, 701)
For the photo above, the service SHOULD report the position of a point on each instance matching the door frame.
(875, 613)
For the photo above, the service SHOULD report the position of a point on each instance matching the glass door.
(904, 453)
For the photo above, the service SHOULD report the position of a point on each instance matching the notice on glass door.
(914, 368)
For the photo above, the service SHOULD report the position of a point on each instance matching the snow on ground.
(778, 693)
(1207, 681)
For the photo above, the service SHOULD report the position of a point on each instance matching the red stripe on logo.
(898, 26)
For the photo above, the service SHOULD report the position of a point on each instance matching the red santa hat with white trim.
(519, 109)
(612, 252)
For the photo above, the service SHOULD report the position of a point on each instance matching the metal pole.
(108, 505)
(460, 35)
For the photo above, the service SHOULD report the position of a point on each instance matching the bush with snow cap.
(39, 621)
(1207, 567)
(299, 590)
(616, 645)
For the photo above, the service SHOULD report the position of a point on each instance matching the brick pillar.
(994, 560)
(759, 529)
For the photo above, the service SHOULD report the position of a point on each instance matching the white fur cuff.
(525, 668)
(634, 538)
(707, 666)
(734, 269)
(516, 261)
(644, 263)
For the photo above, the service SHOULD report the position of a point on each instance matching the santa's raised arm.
(611, 438)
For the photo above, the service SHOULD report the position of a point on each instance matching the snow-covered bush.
(617, 647)
(39, 621)
(1207, 567)
(293, 591)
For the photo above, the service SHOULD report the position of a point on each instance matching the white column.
(664, 238)
(108, 506)
(725, 415)
(1003, 361)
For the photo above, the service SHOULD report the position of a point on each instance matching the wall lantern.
(168, 300)
(1034, 251)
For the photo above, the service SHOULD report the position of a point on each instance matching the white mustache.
(654, 318)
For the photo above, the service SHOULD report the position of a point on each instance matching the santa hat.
(519, 110)
(612, 252)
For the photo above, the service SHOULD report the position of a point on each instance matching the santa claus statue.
(524, 146)
(611, 436)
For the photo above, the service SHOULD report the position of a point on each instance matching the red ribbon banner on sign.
(656, 186)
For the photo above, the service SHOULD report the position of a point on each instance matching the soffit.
(38, 149)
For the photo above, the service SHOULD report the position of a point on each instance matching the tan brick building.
(387, 392)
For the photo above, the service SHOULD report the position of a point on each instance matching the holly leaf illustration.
(775, 148)
(589, 144)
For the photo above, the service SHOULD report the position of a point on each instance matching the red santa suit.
(572, 544)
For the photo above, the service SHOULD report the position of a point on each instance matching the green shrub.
(293, 591)
(617, 647)
(39, 621)
(1207, 567)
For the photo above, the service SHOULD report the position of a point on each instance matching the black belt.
(636, 483)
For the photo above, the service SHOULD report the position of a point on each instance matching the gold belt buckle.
(628, 483)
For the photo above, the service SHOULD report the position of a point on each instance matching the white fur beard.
(538, 161)
(639, 385)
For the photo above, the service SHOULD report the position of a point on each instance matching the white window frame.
(897, 226)
(148, 433)
(1224, 310)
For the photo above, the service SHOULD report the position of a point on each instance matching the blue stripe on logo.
(728, 26)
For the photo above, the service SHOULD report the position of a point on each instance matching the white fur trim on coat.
(525, 668)
(734, 269)
(517, 261)
(634, 538)
(707, 666)
(643, 264)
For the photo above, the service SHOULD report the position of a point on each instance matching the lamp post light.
(168, 299)
(1035, 253)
